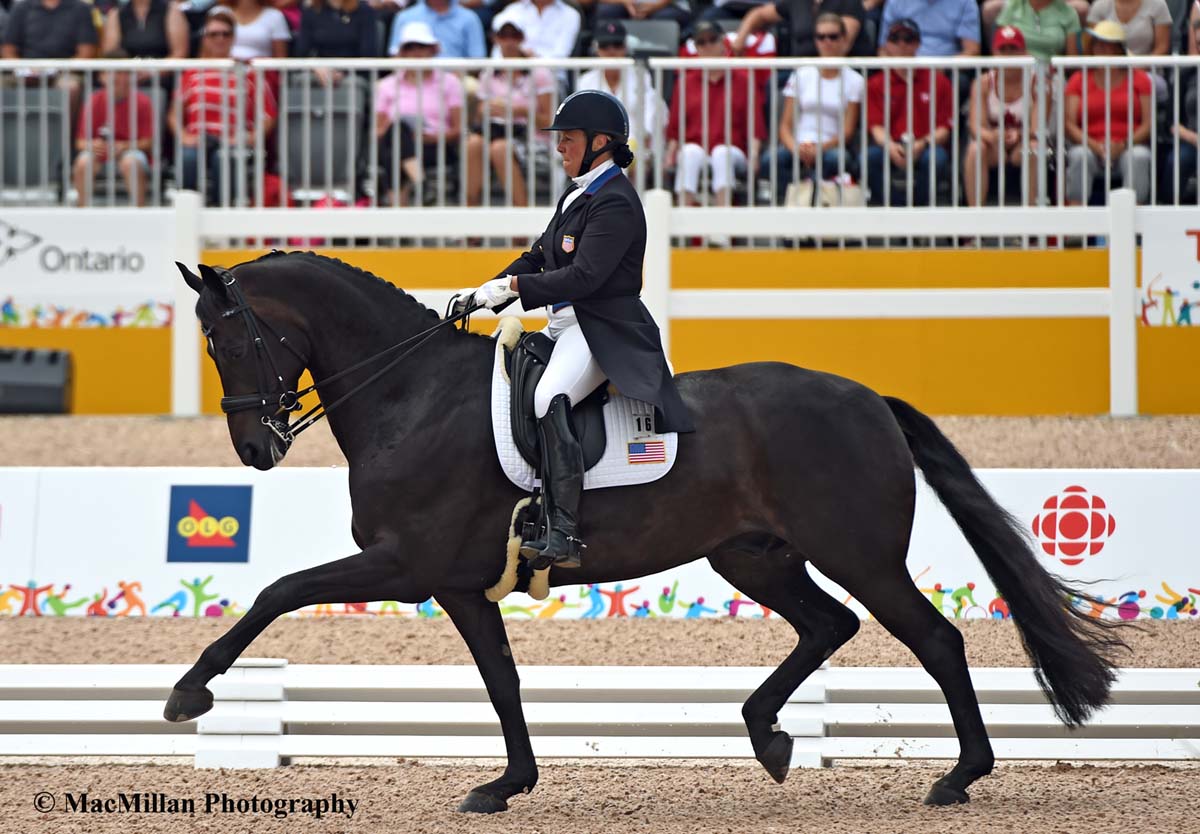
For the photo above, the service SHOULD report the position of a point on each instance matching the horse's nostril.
(249, 454)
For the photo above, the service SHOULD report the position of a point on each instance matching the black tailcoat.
(591, 256)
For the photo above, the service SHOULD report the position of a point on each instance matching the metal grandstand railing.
(385, 132)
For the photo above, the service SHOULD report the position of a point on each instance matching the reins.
(288, 400)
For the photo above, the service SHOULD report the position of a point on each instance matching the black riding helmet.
(596, 112)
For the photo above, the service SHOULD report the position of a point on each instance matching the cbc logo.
(207, 527)
(1073, 525)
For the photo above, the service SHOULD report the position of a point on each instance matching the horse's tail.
(1071, 652)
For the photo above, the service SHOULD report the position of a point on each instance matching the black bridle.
(287, 401)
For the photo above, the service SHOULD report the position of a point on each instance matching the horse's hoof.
(478, 802)
(943, 795)
(777, 757)
(186, 704)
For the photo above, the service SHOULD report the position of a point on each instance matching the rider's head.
(593, 126)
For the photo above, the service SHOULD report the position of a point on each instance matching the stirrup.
(573, 558)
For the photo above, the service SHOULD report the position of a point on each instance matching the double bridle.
(287, 401)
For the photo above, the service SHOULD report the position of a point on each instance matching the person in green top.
(1050, 27)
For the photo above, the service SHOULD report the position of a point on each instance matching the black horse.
(787, 466)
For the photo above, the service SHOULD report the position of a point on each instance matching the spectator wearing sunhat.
(901, 136)
(1051, 27)
(634, 87)
(417, 102)
(1112, 136)
(947, 27)
(678, 10)
(458, 29)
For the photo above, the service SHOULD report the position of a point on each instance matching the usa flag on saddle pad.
(652, 451)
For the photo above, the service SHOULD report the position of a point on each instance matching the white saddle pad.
(631, 455)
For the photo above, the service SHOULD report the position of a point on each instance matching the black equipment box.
(35, 381)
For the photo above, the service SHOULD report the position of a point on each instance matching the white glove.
(495, 292)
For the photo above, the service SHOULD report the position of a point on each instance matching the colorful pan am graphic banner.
(1170, 290)
(204, 542)
(86, 268)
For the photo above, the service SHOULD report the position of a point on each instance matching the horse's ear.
(212, 280)
(190, 278)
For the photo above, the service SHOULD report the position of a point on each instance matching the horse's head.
(258, 349)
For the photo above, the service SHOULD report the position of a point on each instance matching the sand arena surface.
(572, 798)
(370, 639)
(1034, 442)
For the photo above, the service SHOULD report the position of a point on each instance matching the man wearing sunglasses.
(902, 138)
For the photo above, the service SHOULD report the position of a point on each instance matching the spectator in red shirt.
(1108, 134)
(104, 135)
(707, 145)
(208, 100)
(897, 137)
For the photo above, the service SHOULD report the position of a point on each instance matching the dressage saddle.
(525, 364)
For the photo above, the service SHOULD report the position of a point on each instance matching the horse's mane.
(358, 273)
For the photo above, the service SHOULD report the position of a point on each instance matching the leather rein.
(288, 401)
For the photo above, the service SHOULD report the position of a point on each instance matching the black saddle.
(525, 365)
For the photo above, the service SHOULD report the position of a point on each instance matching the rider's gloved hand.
(495, 292)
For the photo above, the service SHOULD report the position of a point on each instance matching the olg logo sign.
(209, 524)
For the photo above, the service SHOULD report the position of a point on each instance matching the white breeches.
(572, 370)
(728, 162)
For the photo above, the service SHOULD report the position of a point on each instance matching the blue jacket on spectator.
(944, 24)
(458, 29)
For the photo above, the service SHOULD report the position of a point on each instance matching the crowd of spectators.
(721, 140)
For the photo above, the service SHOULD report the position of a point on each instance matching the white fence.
(268, 712)
(1119, 222)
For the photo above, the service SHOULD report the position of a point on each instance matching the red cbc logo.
(1073, 524)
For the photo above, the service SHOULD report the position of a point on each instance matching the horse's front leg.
(480, 624)
(375, 574)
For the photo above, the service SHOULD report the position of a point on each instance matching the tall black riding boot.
(562, 461)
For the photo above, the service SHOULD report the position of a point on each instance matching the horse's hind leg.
(780, 581)
(893, 598)
(372, 575)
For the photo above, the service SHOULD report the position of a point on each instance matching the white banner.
(1170, 287)
(86, 267)
(204, 542)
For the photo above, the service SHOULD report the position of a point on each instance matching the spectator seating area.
(842, 130)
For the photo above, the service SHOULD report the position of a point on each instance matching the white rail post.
(1122, 321)
(185, 334)
(246, 724)
(656, 285)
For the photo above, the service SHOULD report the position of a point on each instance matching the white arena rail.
(1119, 223)
(268, 712)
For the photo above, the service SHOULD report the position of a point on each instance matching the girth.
(525, 365)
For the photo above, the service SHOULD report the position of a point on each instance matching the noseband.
(288, 400)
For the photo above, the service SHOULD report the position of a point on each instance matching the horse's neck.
(406, 394)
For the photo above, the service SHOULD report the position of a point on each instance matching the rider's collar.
(591, 176)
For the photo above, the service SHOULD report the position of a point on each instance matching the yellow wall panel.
(988, 366)
(1167, 361)
(125, 371)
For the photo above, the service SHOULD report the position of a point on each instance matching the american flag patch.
(652, 451)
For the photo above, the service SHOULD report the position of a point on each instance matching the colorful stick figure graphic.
(592, 594)
(554, 606)
(58, 602)
(616, 598)
(29, 597)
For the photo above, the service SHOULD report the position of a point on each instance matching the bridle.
(273, 392)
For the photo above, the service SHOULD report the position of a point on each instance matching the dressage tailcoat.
(591, 257)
